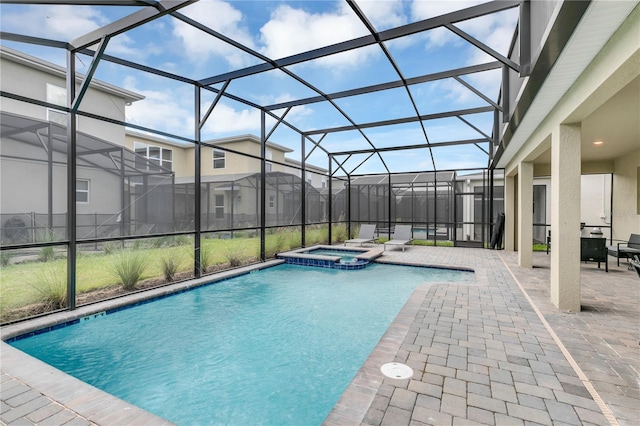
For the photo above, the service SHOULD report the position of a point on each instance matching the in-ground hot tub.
(324, 256)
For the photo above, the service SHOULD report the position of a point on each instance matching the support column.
(525, 215)
(509, 213)
(565, 217)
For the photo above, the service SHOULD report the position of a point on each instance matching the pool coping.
(354, 402)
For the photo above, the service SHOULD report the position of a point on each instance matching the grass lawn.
(27, 282)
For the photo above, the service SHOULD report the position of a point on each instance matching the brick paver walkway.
(481, 354)
(495, 351)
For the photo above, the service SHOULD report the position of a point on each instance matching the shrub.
(161, 242)
(51, 285)
(181, 240)
(109, 247)
(339, 233)
(311, 237)
(234, 255)
(275, 243)
(205, 258)
(128, 267)
(5, 258)
(169, 266)
(48, 253)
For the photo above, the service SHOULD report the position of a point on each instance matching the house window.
(219, 159)
(268, 156)
(272, 201)
(163, 157)
(82, 191)
(218, 207)
(58, 96)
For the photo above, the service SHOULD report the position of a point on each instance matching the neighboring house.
(230, 180)
(126, 179)
(31, 77)
(33, 156)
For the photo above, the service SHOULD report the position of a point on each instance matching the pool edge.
(10, 331)
(355, 401)
(78, 397)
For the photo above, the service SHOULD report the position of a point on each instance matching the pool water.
(274, 347)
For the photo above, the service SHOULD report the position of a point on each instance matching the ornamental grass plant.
(129, 266)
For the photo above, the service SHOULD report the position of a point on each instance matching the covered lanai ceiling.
(381, 86)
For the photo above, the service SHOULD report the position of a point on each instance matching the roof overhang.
(537, 99)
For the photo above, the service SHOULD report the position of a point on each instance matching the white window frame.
(272, 201)
(83, 191)
(221, 157)
(56, 95)
(218, 207)
(167, 164)
(268, 157)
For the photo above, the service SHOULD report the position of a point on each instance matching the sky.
(278, 29)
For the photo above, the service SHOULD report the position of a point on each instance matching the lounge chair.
(366, 235)
(627, 249)
(401, 237)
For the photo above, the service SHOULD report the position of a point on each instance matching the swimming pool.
(277, 346)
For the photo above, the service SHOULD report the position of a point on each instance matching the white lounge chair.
(401, 237)
(366, 235)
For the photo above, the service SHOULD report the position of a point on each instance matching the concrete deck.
(495, 351)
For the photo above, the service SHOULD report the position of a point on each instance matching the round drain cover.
(395, 370)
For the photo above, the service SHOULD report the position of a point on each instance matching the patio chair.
(627, 249)
(401, 237)
(594, 249)
(366, 235)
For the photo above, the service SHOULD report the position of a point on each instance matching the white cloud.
(65, 23)
(162, 110)
(159, 110)
(494, 30)
(59, 22)
(488, 83)
(122, 44)
(425, 9)
(226, 119)
(383, 14)
(297, 111)
(221, 17)
(313, 31)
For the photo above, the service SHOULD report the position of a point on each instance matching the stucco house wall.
(626, 181)
(28, 76)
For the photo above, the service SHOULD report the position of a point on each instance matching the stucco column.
(509, 213)
(565, 217)
(525, 214)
